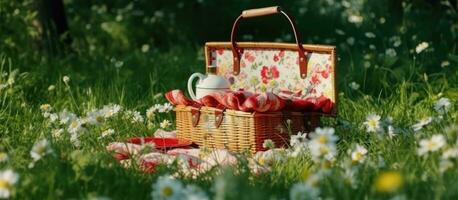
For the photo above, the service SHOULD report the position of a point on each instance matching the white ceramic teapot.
(207, 84)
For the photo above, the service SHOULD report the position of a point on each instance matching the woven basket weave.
(240, 131)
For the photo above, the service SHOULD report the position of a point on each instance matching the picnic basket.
(260, 67)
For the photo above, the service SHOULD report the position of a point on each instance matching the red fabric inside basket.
(259, 102)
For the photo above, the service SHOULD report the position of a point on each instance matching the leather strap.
(237, 52)
(195, 113)
(219, 115)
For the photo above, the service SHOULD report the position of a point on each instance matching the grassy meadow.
(395, 136)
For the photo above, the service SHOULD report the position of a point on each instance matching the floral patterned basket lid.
(308, 70)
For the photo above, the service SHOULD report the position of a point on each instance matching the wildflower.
(57, 133)
(388, 181)
(74, 139)
(442, 105)
(322, 144)
(421, 47)
(94, 117)
(369, 35)
(110, 110)
(300, 191)
(431, 145)
(445, 63)
(75, 126)
(355, 19)
(298, 140)
(51, 88)
(3, 157)
(66, 79)
(166, 123)
(66, 117)
(167, 188)
(167, 107)
(450, 153)
(108, 132)
(150, 113)
(372, 123)
(445, 165)
(390, 52)
(8, 178)
(145, 48)
(45, 108)
(359, 154)
(421, 123)
(137, 117)
(268, 144)
(40, 149)
(354, 86)
(192, 192)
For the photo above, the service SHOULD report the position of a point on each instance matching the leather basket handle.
(236, 52)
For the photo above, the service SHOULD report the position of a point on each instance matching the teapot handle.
(190, 87)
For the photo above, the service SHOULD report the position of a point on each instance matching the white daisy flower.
(354, 86)
(75, 126)
(57, 133)
(108, 132)
(3, 157)
(165, 108)
(421, 123)
(391, 132)
(145, 48)
(66, 117)
(442, 105)
(8, 178)
(45, 108)
(355, 19)
(40, 149)
(445, 63)
(450, 153)
(421, 47)
(136, 117)
(74, 139)
(359, 154)
(95, 117)
(323, 144)
(167, 188)
(66, 79)
(110, 110)
(298, 140)
(166, 123)
(51, 88)
(150, 113)
(445, 165)
(302, 191)
(372, 123)
(192, 192)
(435, 143)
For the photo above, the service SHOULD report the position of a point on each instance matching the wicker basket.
(239, 131)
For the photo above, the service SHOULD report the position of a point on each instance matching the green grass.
(404, 88)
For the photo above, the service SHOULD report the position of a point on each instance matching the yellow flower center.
(323, 139)
(4, 184)
(167, 191)
(99, 119)
(358, 156)
(431, 145)
(373, 123)
(388, 181)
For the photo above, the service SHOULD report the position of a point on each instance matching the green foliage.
(132, 52)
